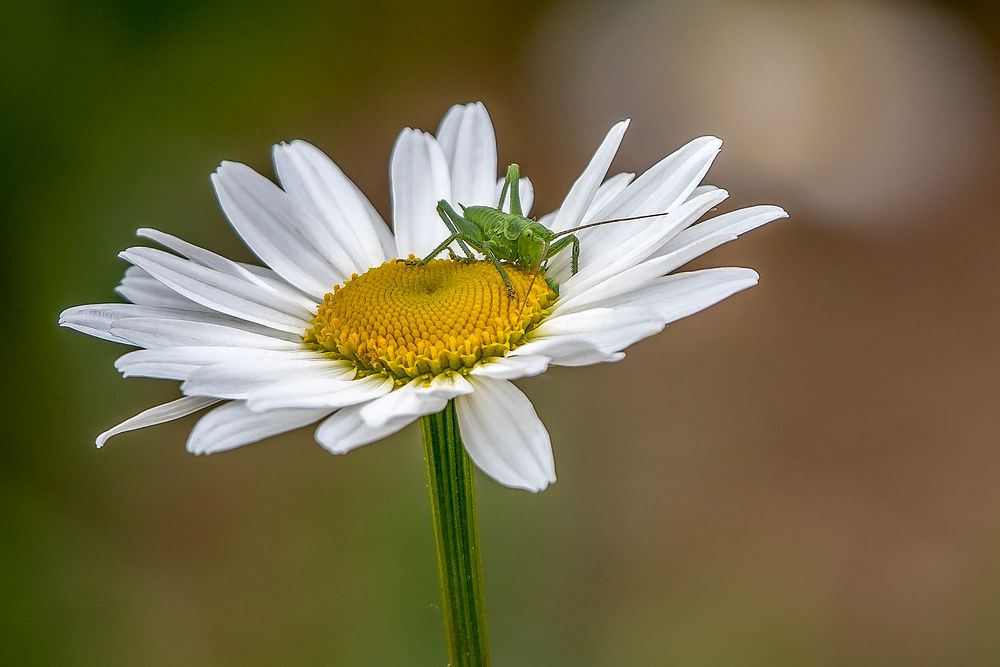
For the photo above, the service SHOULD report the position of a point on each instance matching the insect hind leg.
(512, 185)
(445, 212)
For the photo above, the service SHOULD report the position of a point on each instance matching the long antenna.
(534, 274)
(607, 222)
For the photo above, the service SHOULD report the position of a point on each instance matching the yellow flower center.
(410, 320)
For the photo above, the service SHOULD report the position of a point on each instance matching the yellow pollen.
(408, 320)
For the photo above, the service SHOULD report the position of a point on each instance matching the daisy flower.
(333, 330)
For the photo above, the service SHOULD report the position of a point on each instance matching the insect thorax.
(487, 219)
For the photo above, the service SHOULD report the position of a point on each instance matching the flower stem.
(453, 505)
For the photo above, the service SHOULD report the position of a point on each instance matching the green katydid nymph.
(510, 237)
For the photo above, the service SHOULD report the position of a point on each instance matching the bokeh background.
(807, 474)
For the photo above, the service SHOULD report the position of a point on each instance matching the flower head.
(342, 327)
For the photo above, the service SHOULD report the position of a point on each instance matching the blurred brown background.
(807, 474)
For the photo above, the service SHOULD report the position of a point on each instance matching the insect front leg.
(472, 242)
(481, 248)
(440, 249)
(511, 292)
(561, 244)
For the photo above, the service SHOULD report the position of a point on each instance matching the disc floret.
(407, 320)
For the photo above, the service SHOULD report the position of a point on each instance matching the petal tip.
(330, 447)
(538, 486)
(196, 448)
(749, 278)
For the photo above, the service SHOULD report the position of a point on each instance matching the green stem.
(453, 505)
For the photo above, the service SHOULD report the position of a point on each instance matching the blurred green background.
(807, 474)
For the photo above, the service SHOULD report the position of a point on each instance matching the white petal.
(255, 275)
(409, 401)
(600, 261)
(700, 190)
(661, 189)
(609, 190)
(345, 430)
(219, 291)
(143, 289)
(447, 385)
(239, 380)
(96, 333)
(279, 284)
(640, 275)
(180, 363)
(470, 148)
(234, 425)
(504, 436)
(512, 368)
(682, 294)
(448, 130)
(609, 330)
(582, 193)
(286, 237)
(736, 223)
(94, 320)
(235, 376)
(98, 319)
(152, 332)
(526, 191)
(419, 175)
(665, 185)
(159, 414)
(568, 351)
(317, 184)
(198, 255)
(316, 391)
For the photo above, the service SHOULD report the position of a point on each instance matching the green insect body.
(511, 237)
(505, 237)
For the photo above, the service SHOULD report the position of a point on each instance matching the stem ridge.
(453, 509)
